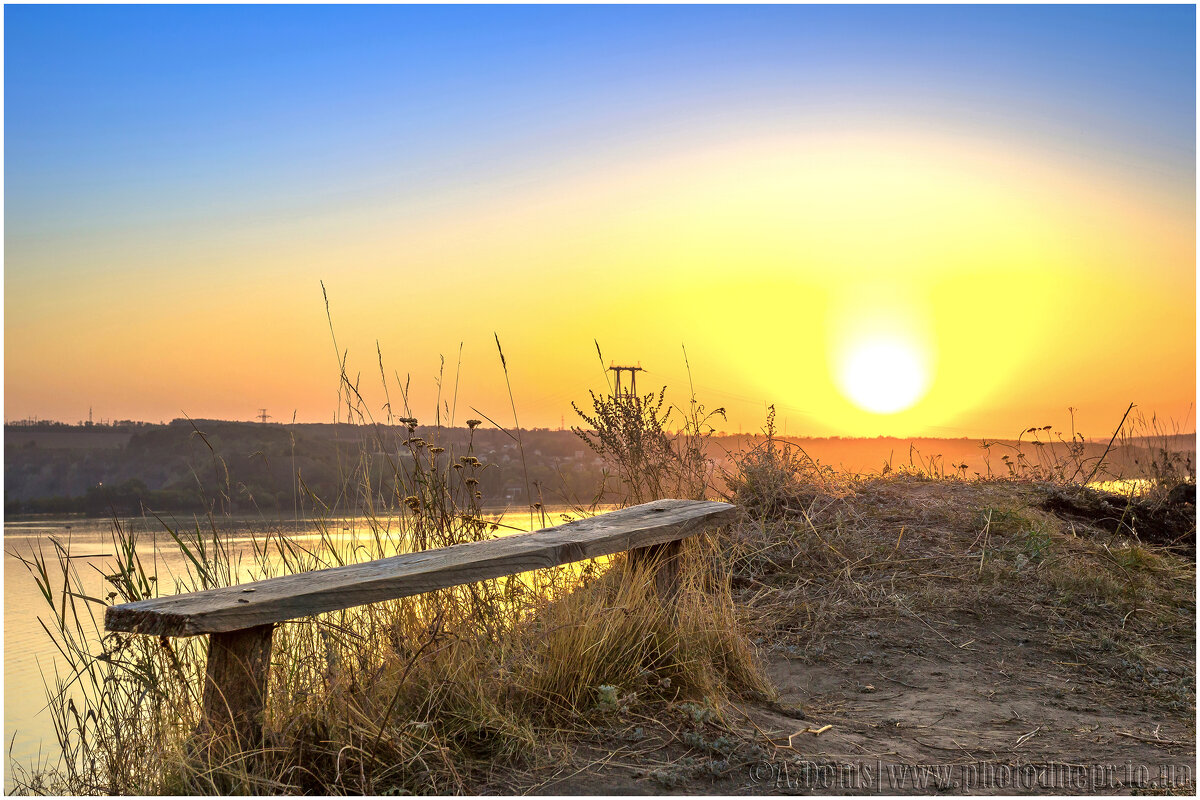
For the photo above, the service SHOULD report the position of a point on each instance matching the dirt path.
(996, 695)
(997, 709)
(932, 637)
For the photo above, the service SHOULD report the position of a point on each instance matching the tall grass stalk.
(411, 695)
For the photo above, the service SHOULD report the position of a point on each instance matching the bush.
(776, 478)
(630, 432)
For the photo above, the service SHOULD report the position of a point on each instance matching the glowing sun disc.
(883, 376)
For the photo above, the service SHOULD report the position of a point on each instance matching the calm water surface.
(29, 653)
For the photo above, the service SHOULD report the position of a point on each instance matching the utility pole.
(263, 416)
(633, 371)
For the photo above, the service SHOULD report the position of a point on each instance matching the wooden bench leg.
(664, 560)
(235, 687)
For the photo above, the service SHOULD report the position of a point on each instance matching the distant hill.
(870, 455)
(196, 465)
(205, 464)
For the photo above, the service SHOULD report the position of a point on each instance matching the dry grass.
(632, 433)
(430, 694)
(927, 552)
(405, 696)
(425, 694)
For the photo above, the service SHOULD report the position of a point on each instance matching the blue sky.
(115, 114)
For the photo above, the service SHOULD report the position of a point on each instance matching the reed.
(413, 695)
(428, 694)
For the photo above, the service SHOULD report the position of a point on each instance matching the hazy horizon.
(1134, 428)
(898, 220)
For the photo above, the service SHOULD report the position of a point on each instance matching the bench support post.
(663, 559)
(235, 687)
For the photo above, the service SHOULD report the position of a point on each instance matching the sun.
(883, 375)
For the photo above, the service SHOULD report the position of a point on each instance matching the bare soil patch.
(942, 637)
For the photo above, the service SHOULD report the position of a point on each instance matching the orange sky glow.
(1003, 270)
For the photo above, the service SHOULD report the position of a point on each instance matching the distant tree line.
(202, 465)
(127, 498)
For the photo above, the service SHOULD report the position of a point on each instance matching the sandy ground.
(1001, 712)
(1016, 694)
(997, 709)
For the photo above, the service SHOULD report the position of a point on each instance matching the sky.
(885, 220)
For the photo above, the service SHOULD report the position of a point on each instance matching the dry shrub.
(777, 479)
(1157, 456)
(394, 698)
(420, 694)
(630, 432)
(617, 632)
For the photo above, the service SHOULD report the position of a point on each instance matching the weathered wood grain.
(663, 559)
(235, 687)
(293, 596)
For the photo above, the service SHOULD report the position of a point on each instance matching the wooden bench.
(240, 619)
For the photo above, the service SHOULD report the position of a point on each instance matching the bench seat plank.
(293, 596)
